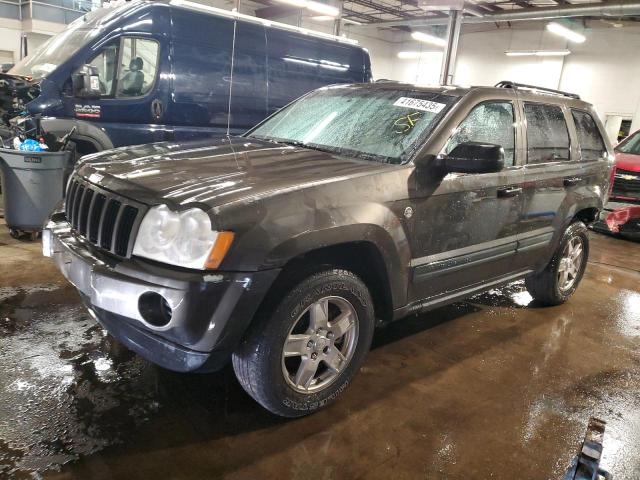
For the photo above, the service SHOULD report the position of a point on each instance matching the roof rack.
(522, 86)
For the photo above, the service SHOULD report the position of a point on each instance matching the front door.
(465, 225)
(133, 101)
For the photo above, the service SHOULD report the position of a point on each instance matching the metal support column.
(337, 24)
(451, 49)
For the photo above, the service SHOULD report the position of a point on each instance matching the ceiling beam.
(275, 11)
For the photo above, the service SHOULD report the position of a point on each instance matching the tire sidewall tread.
(257, 361)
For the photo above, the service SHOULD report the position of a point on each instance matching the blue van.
(175, 70)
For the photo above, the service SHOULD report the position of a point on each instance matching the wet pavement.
(491, 388)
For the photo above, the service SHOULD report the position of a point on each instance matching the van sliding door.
(201, 74)
(249, 82)
(300, 63)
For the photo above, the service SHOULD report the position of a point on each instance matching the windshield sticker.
(419, 104)
(405, 123)
(87, 111)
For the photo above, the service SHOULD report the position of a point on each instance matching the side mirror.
(473, 157)
(86, 82)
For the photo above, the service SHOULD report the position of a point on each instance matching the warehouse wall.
(603, 70)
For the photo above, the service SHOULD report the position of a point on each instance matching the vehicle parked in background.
(352, 207)
(621, 215)
(150, 71)
(626, 182)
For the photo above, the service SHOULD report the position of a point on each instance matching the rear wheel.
(557, 282)
(302, 356)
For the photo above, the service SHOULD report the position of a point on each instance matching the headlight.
(184, 238)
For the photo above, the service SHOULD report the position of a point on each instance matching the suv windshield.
(384, 125)
(631, 145)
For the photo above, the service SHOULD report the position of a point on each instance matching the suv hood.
(216, 173)
(628, 161)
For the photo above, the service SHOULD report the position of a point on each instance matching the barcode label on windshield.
(418, 104)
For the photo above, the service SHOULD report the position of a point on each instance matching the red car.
(622, 213)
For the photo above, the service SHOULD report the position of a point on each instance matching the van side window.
(592, 145)
(547, 134)
(106, 62)
(138, 67)
(490, 122)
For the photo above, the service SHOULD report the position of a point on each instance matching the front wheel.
(302, 356)
(560, 278)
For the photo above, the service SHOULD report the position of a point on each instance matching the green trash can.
(32, 185)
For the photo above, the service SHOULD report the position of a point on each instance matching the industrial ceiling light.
(426, 38)
(565, 32)
(537, 53)
(321, 8)
(415, 55)
(326, 18)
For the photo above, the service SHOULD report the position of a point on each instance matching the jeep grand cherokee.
(349, 208)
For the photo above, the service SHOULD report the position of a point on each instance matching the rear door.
(551, 174)
(465, 225)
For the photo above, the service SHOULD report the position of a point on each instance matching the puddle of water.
(67, 389)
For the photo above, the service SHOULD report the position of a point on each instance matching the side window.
(547, 134)
(138, 67)
(491, 122)
(106, 62)
(592, 145)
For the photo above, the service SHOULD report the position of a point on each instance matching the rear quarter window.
(547, 133)
(592, 146)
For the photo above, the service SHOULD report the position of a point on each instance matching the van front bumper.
(210, 311)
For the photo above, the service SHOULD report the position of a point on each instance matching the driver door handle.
(509, 192)
(571, 181)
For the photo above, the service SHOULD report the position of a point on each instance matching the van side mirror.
(473, 157)
(86, 82)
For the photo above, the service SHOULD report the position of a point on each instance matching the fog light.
(155, 309)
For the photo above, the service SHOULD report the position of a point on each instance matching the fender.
(377, 225)
(84, 131)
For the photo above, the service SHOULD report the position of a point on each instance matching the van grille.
(626, 184)
(106, 220)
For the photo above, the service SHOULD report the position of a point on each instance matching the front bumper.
(622, 218)
(209, 310)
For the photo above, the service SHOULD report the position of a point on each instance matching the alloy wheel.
(570, 263)
(320, 344)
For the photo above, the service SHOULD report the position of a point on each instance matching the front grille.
(626, 184)
(106, 220)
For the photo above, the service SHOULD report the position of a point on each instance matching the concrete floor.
(491, 388)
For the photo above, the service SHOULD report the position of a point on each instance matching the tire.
(281, 384)
(548, 287)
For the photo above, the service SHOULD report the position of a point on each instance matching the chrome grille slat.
(106, 220)
(85, 205)
(76, 206)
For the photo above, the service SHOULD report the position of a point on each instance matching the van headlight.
(184, 239)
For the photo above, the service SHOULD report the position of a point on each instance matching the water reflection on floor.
(493, 387)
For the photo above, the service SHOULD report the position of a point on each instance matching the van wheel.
(302, 356)
(557, 282)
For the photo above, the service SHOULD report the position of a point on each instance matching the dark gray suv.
(349, 208)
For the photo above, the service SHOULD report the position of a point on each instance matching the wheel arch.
(88, 137)
(369, 251)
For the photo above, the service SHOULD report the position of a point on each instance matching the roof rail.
(522, 86)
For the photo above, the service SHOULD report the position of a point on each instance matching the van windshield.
(55, 51)
(59, 48)
(384, 125)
